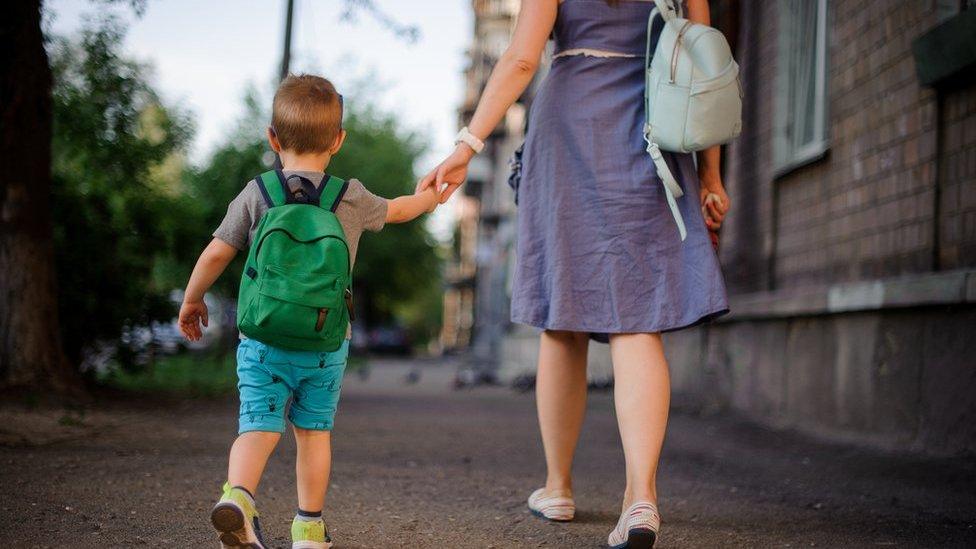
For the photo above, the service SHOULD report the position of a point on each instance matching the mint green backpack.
(295, 291)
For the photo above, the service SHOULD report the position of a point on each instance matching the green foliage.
(231, 166)
(190, 374)
(397, 268)
(117, 205)
(131, 216)
(198, 374)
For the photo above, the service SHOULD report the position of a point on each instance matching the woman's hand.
(715, 202)
(451, 172)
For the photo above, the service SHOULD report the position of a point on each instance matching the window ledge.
(930, 289)
(813, 154)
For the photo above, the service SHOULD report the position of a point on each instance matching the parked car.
(389, 339)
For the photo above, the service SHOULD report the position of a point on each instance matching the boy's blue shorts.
(268, 376)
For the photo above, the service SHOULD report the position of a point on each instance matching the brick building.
(850, 257)
(850, 254)
(476, 306)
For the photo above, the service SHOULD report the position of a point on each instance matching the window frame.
(787, 156)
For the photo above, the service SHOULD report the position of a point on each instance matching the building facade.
(850, 252)
(850, 255)
(476, 299)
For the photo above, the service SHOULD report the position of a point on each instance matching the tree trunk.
(31, 356)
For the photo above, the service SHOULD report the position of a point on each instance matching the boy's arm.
(407, 208)
(214, 259)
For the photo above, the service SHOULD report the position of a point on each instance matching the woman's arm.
(516, 67)
(511, 75)
(709, 160)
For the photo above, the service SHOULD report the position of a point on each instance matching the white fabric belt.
(590, 52)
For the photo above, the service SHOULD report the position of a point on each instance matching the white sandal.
(637, 527)
(557, 508)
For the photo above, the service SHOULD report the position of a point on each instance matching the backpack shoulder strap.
(272, 188)
(331, 192)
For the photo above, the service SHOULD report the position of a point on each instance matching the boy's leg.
(263, 395)
(312, 413)
(312, 467)
(262, 383)
(248, 457)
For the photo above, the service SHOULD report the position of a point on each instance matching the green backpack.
(295, 291)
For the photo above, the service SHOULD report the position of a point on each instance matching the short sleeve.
(369, 209)
(240, 218)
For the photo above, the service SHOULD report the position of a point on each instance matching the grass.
(193, 374)
(199, 374)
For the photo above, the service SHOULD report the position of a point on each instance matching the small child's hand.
(191, 315)
(434, 198)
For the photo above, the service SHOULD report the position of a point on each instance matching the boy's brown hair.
(306, 115)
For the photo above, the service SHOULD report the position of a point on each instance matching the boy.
(306, 131)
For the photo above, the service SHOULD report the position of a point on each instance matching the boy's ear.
(273, 140)
(339, 140)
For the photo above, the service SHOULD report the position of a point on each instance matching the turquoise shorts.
(269, 376)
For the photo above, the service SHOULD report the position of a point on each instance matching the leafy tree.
(117, 201)
(30, 342)
(398, 268)
(210, 188)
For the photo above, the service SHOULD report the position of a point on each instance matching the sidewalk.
(421, 465)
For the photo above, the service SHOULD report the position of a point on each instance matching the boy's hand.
(434, 198)
(191, 315)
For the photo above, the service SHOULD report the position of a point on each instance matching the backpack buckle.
(349, 307)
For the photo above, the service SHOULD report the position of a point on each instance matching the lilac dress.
(598, 250)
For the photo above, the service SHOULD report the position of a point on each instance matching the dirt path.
(423, 466)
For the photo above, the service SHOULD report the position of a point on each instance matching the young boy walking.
(302, 229)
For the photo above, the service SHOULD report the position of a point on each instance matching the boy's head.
(306, 116)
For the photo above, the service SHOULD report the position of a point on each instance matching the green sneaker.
(236, 520)
(306, 534)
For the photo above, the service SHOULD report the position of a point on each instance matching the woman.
(598, 252)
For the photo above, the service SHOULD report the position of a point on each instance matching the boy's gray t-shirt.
(359, 210)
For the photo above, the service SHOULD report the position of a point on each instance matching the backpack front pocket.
(297, 304)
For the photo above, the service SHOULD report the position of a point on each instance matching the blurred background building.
(850, 253)
(476, 303)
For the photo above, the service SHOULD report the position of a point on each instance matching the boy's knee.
(267, 436)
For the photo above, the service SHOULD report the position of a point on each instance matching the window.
(801, 83)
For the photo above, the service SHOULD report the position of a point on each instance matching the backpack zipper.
(264, 237)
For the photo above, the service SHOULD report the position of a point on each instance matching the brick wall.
(889, 197)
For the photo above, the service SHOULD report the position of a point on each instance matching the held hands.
(192, 314)
(431, 195)
(447, 176)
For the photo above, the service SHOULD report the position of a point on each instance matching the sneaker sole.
(228, 520)
(311, 545)
(551, 519)
(638, 538)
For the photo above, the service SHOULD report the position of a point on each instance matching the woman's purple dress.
(598, 250)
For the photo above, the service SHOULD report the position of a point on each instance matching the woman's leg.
(642, 394)
(561, 400)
